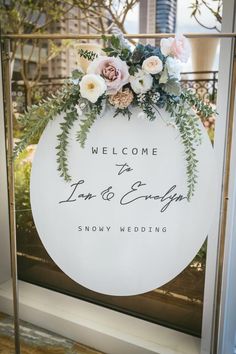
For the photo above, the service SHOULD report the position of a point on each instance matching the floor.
(35, 340)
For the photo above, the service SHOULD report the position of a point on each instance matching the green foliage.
(63, 139)
(37, 117)
(123, 111)
(76, 74)
(29, 16)
(34, 128)
(86, 124)
(116, 48)
(172, 87)
(190, 133)
(145, 102)
(203, 109)
(182, 122)
(24, 222)
(87, 54)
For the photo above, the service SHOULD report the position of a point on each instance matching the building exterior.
(66, 61)
(157, 16)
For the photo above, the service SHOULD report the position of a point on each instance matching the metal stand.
(9, 123)
(11, 189)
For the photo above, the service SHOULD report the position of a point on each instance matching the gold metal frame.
(11, 188)
(9, 123)
(131, 36)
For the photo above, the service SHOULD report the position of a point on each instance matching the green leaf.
(115, 42)
(76, 74)
(172, 87)
(164, 76)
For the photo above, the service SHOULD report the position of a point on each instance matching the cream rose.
(141, 82)
(114, 71)
(166, 46)
(152, 65)
(92, 86)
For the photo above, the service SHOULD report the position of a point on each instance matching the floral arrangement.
(147, 77)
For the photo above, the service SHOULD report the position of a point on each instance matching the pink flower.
(113, 70)
(181, 48)
(177, 47)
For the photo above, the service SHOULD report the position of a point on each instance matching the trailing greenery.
(37, 117)
(202, 109)
(147, 102)
(63, 139)
(190, 133)
(86, 124)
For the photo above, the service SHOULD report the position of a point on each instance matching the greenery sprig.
(63, 139)
(190, 133)
(93, 112)
(87, 54)
(37, 117)
(202, 109)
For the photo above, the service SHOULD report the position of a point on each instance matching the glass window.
(179, 303)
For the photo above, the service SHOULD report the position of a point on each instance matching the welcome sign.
(123, 225)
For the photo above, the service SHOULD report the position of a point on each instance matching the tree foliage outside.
(39, 16)
(212, 7)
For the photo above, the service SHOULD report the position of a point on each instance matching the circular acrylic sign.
(123, 225)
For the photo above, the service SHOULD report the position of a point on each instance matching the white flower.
(92, 86)
(174, 67)
(166, 46)
(152, 65)
(141, 82)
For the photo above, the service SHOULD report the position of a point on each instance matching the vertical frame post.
(11, 190)
(222, 147)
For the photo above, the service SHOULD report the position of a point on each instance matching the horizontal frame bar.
(98, 36)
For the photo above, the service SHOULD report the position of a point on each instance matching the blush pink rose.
(181, 48)
(177, 47)
(113, 70)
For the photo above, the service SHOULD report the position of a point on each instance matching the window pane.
(177, 304)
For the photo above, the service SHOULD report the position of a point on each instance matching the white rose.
(166, 46)
(174, 67)
(92, 86)
(152, 65)
(141, 82)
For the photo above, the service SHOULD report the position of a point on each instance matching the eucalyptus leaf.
(172, 87)
(164, 76)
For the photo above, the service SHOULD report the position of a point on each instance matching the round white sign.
(123, 225)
